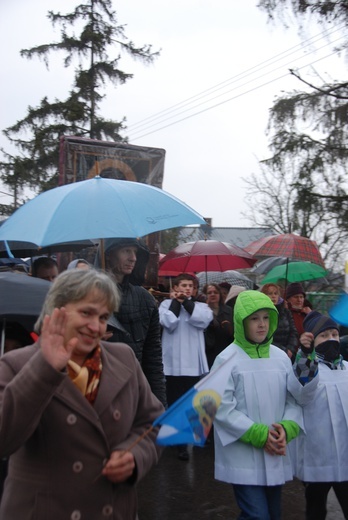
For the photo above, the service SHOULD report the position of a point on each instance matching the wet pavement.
(175, 489)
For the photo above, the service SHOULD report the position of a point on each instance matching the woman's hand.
(119, 467)
(52, 339)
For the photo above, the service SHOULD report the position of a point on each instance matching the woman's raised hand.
(55, 349)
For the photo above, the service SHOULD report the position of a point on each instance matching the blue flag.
(190, 418)
(339, 312)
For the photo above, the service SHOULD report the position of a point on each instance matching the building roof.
(239, 236)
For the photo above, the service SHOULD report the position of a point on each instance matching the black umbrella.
(22, 297)
(16, 263)
(263, 266)
(25, 249)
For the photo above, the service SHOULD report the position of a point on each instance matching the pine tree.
(37, 135)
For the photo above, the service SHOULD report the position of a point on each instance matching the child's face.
(256, 326)
(326, 335)
(185, 287)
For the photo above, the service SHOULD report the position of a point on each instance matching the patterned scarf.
(86, 377)
(337, 364)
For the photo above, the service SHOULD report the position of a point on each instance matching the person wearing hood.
(137, 320)
(78, 263)
(260, 411)
(286, 336)
(321, 456)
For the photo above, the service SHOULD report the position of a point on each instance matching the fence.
(323, 301)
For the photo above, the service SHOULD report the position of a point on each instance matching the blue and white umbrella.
(232, 277)
(96, 209)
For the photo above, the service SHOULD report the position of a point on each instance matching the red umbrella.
(206, 255)
(288, 245)
(165, 272)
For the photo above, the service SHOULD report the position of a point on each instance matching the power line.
(192, 101)
(231, 99)
(292, 50)
(193, 106)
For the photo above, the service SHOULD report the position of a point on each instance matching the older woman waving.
(71, 410)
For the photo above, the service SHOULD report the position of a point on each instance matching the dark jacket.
(219, 333)
(298, 316)
(58, 442)
(286, 336)
(137, 321)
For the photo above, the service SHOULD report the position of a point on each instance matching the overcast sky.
(205, 100)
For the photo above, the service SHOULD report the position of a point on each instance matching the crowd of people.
(79, 396)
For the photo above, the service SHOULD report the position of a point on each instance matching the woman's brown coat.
(58, 442)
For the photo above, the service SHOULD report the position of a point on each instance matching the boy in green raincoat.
(260, 411)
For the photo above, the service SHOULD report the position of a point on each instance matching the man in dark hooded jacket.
(137, 321)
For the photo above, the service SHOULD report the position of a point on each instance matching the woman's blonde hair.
(264, 289)
(75, 285)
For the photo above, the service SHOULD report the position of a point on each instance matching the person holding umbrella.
(286, 335)
(137, 320)
(73, 409)
(295, 297)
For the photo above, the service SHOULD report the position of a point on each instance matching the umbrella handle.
(3, 335)
(8, 250)
(102, 253)
(286, 274)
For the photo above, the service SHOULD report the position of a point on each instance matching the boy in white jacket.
(183, 320)
(259, 413)
(321, 456)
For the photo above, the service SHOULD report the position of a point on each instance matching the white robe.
(258, 391)
(183, 339)
(322, 454)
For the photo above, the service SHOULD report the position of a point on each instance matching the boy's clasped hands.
(276, 441)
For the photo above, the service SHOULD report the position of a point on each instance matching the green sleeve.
(257, 435)
(291, 428)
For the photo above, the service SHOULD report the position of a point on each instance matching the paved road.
(187, 491)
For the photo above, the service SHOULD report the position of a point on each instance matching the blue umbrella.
(94, 209)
